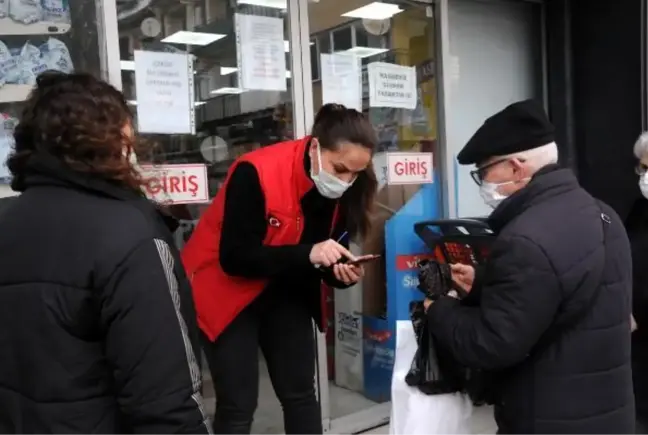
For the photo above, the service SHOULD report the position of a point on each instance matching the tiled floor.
(268, 418)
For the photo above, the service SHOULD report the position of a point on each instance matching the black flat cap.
(521, 126)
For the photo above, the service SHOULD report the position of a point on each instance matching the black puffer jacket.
(97, 326)
(545, 264)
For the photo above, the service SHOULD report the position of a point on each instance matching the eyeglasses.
(479, 173)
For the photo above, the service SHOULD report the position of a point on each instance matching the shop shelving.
(14, 93)
(11, 27)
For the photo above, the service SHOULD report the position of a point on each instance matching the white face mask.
(643, 184)
(328, 185)
(490, 195)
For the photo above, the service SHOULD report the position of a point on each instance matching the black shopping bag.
(430, 372)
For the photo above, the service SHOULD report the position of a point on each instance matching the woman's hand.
(463, 275)
(348, 274)
(328, 253)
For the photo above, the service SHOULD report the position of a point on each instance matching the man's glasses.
(479, 173)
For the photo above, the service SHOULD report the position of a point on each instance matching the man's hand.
(463, 275)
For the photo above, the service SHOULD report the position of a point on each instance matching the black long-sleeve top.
(242, 252)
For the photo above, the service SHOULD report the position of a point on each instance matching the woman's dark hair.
(334, 124)
(79, 120)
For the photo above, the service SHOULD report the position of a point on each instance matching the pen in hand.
(339, 239)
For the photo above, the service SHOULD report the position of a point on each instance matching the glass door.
(380, 58)
(230, 111)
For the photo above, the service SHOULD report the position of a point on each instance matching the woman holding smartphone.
(278, 227)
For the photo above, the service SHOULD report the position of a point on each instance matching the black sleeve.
(156, 373)
(519, 299)
(242, 252)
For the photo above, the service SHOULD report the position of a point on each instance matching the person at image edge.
(279, 225)
(637, 226)
(97, 325)
(548, 317)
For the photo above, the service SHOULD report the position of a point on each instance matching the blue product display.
(403, 251)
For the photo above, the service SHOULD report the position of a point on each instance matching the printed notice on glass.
(342, 80)
(260, 53)
(392, 86)
(164, 85)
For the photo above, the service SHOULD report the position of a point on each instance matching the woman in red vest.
(278, 227)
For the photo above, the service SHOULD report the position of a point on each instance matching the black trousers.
(283, 329)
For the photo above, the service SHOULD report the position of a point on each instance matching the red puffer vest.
(219, 297)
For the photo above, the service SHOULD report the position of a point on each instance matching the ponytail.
(335, 123)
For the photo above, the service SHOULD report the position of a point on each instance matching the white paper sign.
(260, 52)
(392, 85)
(176, 184)
(342, 80)
(165, 94)
(409, 168)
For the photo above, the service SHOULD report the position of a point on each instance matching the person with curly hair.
(97, 323)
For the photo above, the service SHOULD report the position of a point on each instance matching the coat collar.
(45, 170)
(550, 181)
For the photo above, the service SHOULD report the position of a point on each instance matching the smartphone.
(364, 259)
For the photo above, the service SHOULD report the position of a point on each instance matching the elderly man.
(551, 325)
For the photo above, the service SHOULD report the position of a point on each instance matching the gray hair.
(537, 158)
(641, 146)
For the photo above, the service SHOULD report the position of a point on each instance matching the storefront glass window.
(379, 57)
(232, 58)
(231, 117)
(495, 60)
(37, 36)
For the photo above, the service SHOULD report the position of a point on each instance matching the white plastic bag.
(57, 11)
(4, 8)
(413, 412)
(31, 64)
(7, 125)
(25, 11)
(57, 56)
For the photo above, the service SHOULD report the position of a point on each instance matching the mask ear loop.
(319, 157)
